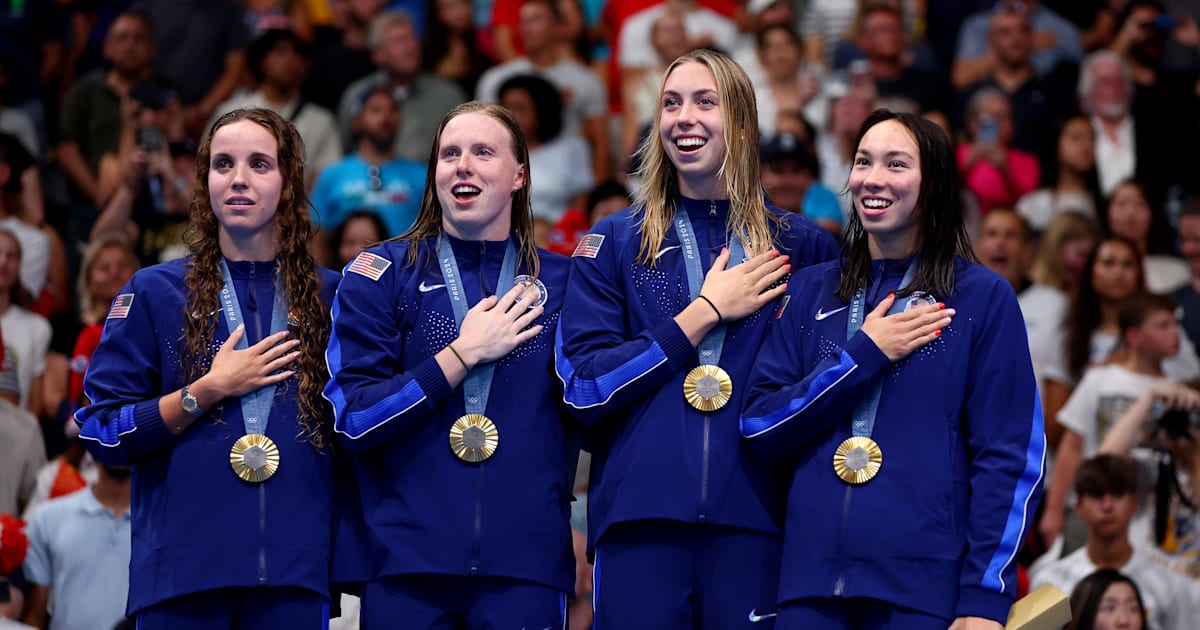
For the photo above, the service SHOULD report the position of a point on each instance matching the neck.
(890, 246)
(113, 494)
(708, 188)
(1111, 553)
(1138, 363)
(1070, 180)
(497, 230)
(279, 94)
(261, 246)
(1108, 314)
(372, 155)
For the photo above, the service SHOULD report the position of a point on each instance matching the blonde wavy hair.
(655, 199)
(297, 272)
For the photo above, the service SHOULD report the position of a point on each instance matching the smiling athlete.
(898, 386)
(667, 306)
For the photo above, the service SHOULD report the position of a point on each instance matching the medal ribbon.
(256, 405)
(863, 420)
(710, 347)
(478, 383)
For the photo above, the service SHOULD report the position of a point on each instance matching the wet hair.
(429, 219)
(1106, 474)
(941, 232)
(1084, 316)
(547, 103)
(297, 273)
(655, 199)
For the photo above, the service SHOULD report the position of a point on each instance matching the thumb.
(882, 308)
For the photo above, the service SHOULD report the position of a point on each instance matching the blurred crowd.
(1077, 127)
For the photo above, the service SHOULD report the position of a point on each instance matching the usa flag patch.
(589, 246)
(369, 265)
(120, 306)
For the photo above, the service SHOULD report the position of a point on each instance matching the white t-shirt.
(561, 169)
(1184, 366)
(316, 125)
(1045, 310)
(1103, 394)
(1042, 205)
(27, 337)
(35, 253)
(1165, 274)
(1168, 598)
(584, 95)
(635, 47)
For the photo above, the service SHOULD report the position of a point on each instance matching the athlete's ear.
(519, 180)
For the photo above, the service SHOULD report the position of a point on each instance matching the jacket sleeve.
(1007, 446)
(375, 397)
(603, 366)
(124, 381)
(788, 404)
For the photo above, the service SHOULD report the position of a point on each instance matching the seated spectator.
(345, 61)
(22, 451)
(373, 178)
(880, 37)
(1071, 183)
(639, 90)
(1158, 432)
(559, 163)
(1107, 599)
(1005, 245)
(1106, 489)
(608, 197)
(148, 181)
(1127, 213)
(90, 120)
(705, 28)
(784, 85)
(43, 267)
(450, 48)
(278, 61)
(1055, 41)
(26, 334)
(583, 95)
(994, 171)
(1149, 335)
(78, 559)
(359, 231)
(791, 176)
(424, 98)
(826, 23)
(1037, 100)
(849, 105)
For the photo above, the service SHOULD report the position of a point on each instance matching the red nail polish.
(890, 296)
(937, 333)
(941, 306)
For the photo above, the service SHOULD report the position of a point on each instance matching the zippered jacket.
(196, 525)
(622, 360)
(427, 510)
(960, 427)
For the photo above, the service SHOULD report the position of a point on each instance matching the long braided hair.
(297, 271)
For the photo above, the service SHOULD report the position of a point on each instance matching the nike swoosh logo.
(823, 314)
(755, 617)
(665, 250)
(426, 288)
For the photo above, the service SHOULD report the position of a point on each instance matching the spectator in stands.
(996, 172)
(1107, 599)
(338, 65)
(373, 178)
(559, 163)
(1127, 213)
(78, 558)
(826, 23)
(1055, 41)
(44, 272)
(424, 98)
(90, 121)
(608, 197)
(359, 231)
(146, 190)
(639, 90)
(585, 113)
(849, 106)
(880, 36)
(1005, 245)
(705, 28)
(26, 335)
(22, 451)
(278, 61)
(783, 84)
(200, 51)
(1188, 296)
(1106, 499)
(1070, 183)
(791, 175)
(450, 48)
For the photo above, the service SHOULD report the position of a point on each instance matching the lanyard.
(710, 347)
(864, 413)
(478, 383)
(256, 405)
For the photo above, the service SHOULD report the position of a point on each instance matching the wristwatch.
(190, 404)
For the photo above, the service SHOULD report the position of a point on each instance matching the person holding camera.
(995, 172)
(148, 182)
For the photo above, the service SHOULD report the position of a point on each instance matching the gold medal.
(254, 458)
(857, 460)
(707, 388)
(474, 438)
